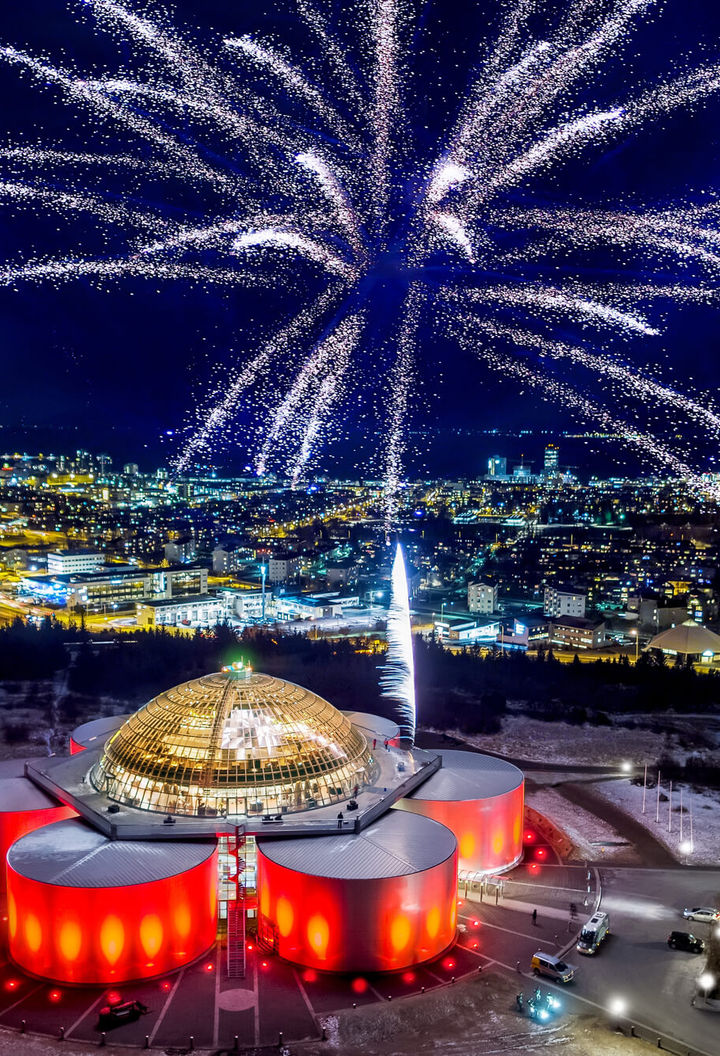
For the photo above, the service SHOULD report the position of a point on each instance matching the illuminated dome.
(234, 743)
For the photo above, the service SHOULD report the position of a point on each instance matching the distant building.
(473, 631)
(313, 606)
(228, 557)
(180, 551)
(482, 598)
(551, 459)
(527, 631)
(23, 558)
(65, 562)
(497, 467)
(523, 472)
(117, 588)
(283, 567)
(195, 610)
(653, 617)
(131, 469)
(573, 632)
(339, 573)
(564, 601)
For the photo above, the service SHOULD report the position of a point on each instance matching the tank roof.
(398, 844)
(469, 775)
(71, 854)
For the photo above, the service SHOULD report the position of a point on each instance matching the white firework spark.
(398, 672)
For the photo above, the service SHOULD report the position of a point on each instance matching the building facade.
(564, 601)
(68, 562)
(573, 632)
(483, 598)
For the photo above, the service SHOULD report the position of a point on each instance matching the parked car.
(120, 1012)
(705, 914)
(684, 940)
(551, 966)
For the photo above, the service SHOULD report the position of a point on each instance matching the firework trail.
(312, 184)
(398, 672)
(645, 443)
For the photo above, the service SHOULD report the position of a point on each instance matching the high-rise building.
(130, 469)
(497, 467)
(552, 454)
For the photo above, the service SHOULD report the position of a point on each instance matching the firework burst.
(317, 185)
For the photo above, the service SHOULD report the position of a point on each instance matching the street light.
(706, 982)
(618, 1008)
(626, 766)
(636, 635)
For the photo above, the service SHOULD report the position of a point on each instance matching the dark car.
(121, 1012)
(683, 940)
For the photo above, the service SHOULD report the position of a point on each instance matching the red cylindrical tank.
(480, 799)
(84, 909)
(380, 900)
(95, 733)
(23, 808)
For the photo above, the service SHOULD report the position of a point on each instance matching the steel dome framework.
(234, 743)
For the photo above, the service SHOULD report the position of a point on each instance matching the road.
(657, 983)
(635, 964)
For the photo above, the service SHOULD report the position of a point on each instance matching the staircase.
(236, 952)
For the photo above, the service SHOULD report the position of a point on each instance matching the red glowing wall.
(112, 934)
(358, 925)
(17, 823)
(488, 831)
(75, 748)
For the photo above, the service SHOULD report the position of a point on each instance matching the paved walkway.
(652, 852)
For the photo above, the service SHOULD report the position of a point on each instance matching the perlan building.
(236, 798)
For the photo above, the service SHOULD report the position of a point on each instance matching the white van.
(553, 967)
(593, 933)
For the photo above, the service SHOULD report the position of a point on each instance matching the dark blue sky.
(126, 362)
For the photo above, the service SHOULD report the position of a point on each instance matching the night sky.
(118, 366)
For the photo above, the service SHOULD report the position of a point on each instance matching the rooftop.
(394, 846)
(74, 855)
(469, 775)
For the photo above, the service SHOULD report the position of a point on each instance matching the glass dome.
(234, 743)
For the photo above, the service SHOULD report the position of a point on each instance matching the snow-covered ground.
(594, 839)
(559, 742)
(702, 807)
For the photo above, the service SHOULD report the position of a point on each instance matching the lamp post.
(706, 982)
(635, 632)
(263, 573)
(618, 1009)
(644, 788)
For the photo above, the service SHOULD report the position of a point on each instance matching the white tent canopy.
(687, 638)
